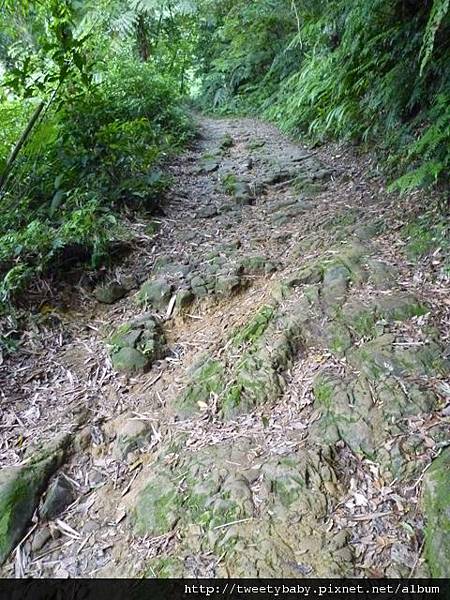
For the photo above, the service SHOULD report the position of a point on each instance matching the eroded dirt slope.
(261, 391)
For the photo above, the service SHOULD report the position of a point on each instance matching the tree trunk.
(22, 141)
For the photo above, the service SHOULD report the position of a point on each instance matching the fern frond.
(439, 10)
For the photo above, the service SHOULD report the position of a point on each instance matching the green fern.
(438, 12)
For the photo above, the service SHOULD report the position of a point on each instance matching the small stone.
(130, 360)
(156, 293)
(83, 439)
(129, 282)
(59, 496)
(40, 539)
(207, 212)
(137, 344)
(130, 437)
(108, 294)
(226, 285)
(227, 142)
(184, 300)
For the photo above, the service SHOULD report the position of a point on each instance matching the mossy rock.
(257, 265)
(184, 300)
(209, 163)
(130, 360)
(166, 567)
(214, 486)
(206, 379)
(227, 285)
(20, 492)
(255, 328)
(157, 510)
(155, 294)
(337, 338)
(137, 344)
(400, 307)
(360, 318)
(382, 276)
(336, 280)
(379, 358)
(436, 505)
(307, 275)
(110, 293)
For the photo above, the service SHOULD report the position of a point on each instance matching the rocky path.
(261, 389)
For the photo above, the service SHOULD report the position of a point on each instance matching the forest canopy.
(94, 94)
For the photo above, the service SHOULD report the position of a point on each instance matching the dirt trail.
(263, 396)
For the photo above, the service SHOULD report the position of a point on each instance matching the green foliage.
(374, 71)
(97, 153)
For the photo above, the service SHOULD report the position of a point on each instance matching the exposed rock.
(217, 492)
(132, 435)
(206, 380)
(256, 378)
(184, 299)
(209, 164)
(137, 344)
(59, 496)
(335, 284)
(20, 491)
(130, 360)
(382, 275)
(155, 294)
(436, 504)
(110, 293)
(207, 212)
(41, 537)
(129, 282)
(227, 285)
(257, 265)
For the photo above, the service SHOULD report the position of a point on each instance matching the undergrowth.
(100, 152)
(372, 71)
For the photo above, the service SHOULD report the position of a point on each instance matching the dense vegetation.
(92, 94)
(374, 71)
(89, 120)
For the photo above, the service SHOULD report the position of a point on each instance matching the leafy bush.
(101, 150)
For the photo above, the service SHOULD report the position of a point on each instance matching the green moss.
(20, 491)
(157, 509)
(167, 567)
(255, 265)
(426, 234)
(232, 399)
(207, 379)
(436, 502)
(116, 340)
(339, 338)
(363, 324)
(153, 228)
(255, 328)
(288, 489)
(323, 392)
(229, 183)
